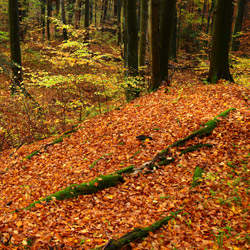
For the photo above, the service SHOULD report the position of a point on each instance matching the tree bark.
(48, 18)
(65, 35)
(166, 30)
(219, 65)
(131, 46)
(77, 14)
(154, 38)
(14, 31)
(143, 34)
(238, 24)
(43, 4)
(87, 15)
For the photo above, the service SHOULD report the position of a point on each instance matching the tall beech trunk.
(56, 16)
(14, 31)
(65, 35)
(48, 18)
(238, 24)
(23, 13)
(70, 8)
(119, 36)
(77, 14)
(131, 45)
(143, 34)
(43, 9)
(154, 38)
(166, 29)
(219, 66)
(87, 16)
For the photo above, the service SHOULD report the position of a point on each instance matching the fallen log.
(165, 157)
(74, 190)
(137, 234)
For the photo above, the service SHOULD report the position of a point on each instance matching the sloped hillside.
(214, 214)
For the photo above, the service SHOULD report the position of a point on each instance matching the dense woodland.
(124, 124)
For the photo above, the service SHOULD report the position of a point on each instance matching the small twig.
(8, 241)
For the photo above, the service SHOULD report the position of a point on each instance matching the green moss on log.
(165, 161)
(196, 177)
(205, 131)
(137, 234)
(93, 186)
(128, 169)
(36, 152)
(58, 140)
(195, 147)
(69, 132)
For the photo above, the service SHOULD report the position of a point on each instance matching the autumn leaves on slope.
(163, 158)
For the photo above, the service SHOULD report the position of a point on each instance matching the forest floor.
(215, 214)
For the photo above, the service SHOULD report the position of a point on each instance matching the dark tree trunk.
(70, 8)
(86, 22)
(238, 24)
(23, 13)
(131, 46)
(14, 31)
(132, 38)
(77, 13)
(166, 29)
(143, 34)
(154, 37)
(56, 16)
(65, 35)
(219, 66)
(43, 8)
(119, 36)
(48, 18)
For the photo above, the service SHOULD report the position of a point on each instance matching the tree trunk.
(77, 14)
(23, 13)
(143, 34)
(238, 24)
(43, 4)
(154, 37)
(86, 22)
(56, 16)
(219, 66)
(48, 18)
(14, 31)
(130, 46)
(166, 30)
(65, 35)
(119, 36)
(70, 8)
(132, 38)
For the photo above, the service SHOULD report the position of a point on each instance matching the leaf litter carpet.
(215, 214)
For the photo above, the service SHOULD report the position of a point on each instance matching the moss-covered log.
(205, 131)
(195, 147)
(36, 152)
(126, 170)
(93, 186)
(137, 234)
(196, 177)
